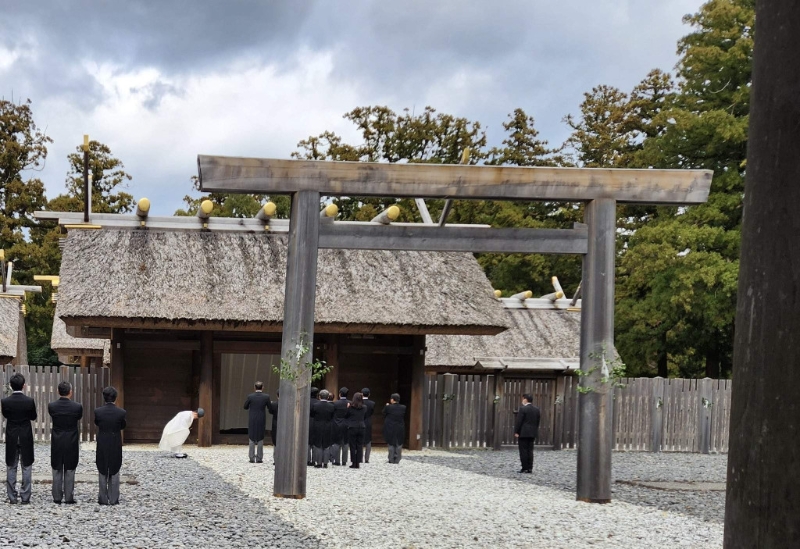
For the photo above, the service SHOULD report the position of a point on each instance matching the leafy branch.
(611, 371)
(291, 366)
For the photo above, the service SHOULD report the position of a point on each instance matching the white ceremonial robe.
(176, 432)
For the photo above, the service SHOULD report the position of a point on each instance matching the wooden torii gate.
(600, 189)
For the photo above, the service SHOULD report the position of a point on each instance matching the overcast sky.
(163, 81)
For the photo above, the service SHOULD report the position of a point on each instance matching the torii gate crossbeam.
(601, 189)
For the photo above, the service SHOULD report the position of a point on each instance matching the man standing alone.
(394, 427)
(64, 443)
(256, 406)
(110, 421)
(19, 410)
(526, 430)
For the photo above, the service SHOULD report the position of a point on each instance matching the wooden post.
(205, 426)
(447, 411)
(657, 417)
(417, 394)
(332, 358)
(704, 405)
(497, 412)
(763, 488)
(597, 341)
(87, 187)
(558, 412)
(118, 364)
(298, 330)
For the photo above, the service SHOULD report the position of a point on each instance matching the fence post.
(447, 410)
(704, 415)
(497, 411)
(558, 412)
(657, 415)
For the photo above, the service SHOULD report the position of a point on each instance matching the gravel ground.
(431, 499)
(476, 499)
(558, 470)
(176, 503)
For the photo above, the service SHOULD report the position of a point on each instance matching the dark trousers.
(63, 485)
(395, 453)
(109, 489)
(256, 451)
(355, 436)
(526, 452)
(367, 451)
(11, 479)
(273, 433)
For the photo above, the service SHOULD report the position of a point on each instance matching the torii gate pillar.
(298, 334)
(595, 433)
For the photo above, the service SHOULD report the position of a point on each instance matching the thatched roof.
(229, 281)
(9, 326)
(536, 339)
(64, 344)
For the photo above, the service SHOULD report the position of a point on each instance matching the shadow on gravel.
(176, 503)
(558, 470)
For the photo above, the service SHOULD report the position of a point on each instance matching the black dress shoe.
(28, 502)
(73, 502)
(317, 466)
(523, 470)
(354, 466)
(259, 461)
(325, 466)
(12, 502)
(252, 461)
(57, 502)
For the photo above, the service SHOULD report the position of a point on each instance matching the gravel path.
(216, 498)
(438, 499)
(176, 503)
(558, 470)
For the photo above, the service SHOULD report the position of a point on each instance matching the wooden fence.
(42, 385)
(650, 414)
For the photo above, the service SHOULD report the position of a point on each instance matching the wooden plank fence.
(650, 414)
(42, 385)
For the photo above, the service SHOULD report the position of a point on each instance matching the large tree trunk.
(763, 498)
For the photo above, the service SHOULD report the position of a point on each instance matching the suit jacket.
(273, 409)
(314, 401)
(19, 410)
(527, 424)
(394, 424)
(110, 421)
(256, 405)
(370, 409)
(355, 417)
(64, 439)
(340, 421)
(322, 429)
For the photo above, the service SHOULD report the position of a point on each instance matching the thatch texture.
(194, 279)
(64, 344)
(9, 327)
(533, 334)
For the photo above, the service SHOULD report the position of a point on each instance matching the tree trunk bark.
(763, 489)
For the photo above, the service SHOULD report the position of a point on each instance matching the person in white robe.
(177, 431)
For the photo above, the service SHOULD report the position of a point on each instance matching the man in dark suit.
(526, 430)
(340, 447)
(19, 410)
(369, 409)
(110, 421)
(273, 409)
(64, 443)
(394, 427)
(256, 406)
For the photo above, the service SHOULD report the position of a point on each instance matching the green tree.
(23, 148)
(677, 277)
(427, 137)
(233, 205)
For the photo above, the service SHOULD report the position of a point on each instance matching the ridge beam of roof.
(274, 176)
(427, 238)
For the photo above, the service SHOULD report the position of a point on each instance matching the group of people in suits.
(340, 430)
(20, 410)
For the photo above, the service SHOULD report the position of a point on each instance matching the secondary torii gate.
(600, 189)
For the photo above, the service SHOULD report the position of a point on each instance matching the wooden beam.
(272, 176)
(597, 338)
(298, 329)
(332, 358)
(118, 367)
(205, 429)
(497, 411)
(421, 237)
(417, 393)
